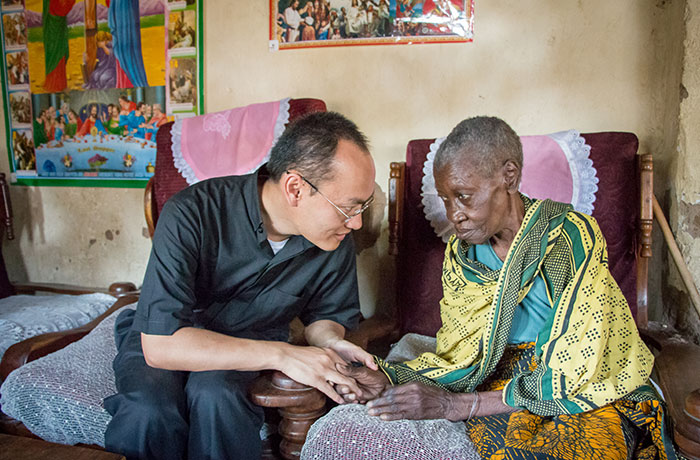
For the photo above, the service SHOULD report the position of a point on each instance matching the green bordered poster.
(87, 83)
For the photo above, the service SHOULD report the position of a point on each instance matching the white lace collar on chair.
(555, 166)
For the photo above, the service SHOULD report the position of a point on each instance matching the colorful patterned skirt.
(620, 430)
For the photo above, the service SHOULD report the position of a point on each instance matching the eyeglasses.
(347, 216)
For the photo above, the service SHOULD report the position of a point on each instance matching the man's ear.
(292, 188)
(511, 176)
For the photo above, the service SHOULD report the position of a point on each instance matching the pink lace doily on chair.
(232, 142)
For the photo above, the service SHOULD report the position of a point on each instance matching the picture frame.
(324, 23)
(87, 84)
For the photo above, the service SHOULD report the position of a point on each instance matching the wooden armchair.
(32, 349)
(45, 343)
(299, 406)
(9, 290)
(623, 208)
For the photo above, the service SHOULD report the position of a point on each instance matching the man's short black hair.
(309, 144)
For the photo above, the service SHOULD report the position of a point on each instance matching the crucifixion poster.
(88, 83)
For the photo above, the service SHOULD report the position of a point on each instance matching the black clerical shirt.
(212, 267)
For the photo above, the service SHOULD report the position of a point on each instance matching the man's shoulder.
(221, 190)
(210, 199)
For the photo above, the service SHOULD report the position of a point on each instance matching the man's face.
(93, 111)
(351, 185)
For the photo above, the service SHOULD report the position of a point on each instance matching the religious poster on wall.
(319, 23)
(87, 84)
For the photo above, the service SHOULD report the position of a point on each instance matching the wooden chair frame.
(676, 357)
(38, 346)
(35, 347)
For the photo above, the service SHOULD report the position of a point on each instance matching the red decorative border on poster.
(320, 23)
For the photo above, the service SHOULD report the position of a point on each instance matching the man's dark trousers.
(178, 415)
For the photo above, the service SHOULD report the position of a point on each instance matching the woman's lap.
(348, 432)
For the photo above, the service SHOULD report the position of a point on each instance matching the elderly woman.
(538, 355)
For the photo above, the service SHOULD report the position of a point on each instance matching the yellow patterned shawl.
(589, 352)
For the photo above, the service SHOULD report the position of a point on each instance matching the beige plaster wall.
(685, 180)
(541, 65)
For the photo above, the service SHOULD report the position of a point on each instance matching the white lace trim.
(280, 124)
(585, 182)
(182, 166)
(186, 170)
(583, 173)
(433, 207)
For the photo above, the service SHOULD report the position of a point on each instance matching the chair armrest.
(115, 289)
(36, 347)
(677, 369)
(299, 407)
(149, 207)
(377, 327)
(396, 196)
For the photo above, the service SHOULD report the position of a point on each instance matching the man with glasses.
(234, 260)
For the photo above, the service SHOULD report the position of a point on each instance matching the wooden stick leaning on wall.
(686, 276)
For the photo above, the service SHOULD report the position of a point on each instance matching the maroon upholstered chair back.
(167, 180)
(420, 251)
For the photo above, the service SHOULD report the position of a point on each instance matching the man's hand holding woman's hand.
(410, 401)
(370, 381)
(352, 353)
(317, 367)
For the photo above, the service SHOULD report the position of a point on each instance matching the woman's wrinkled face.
(476, 205)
